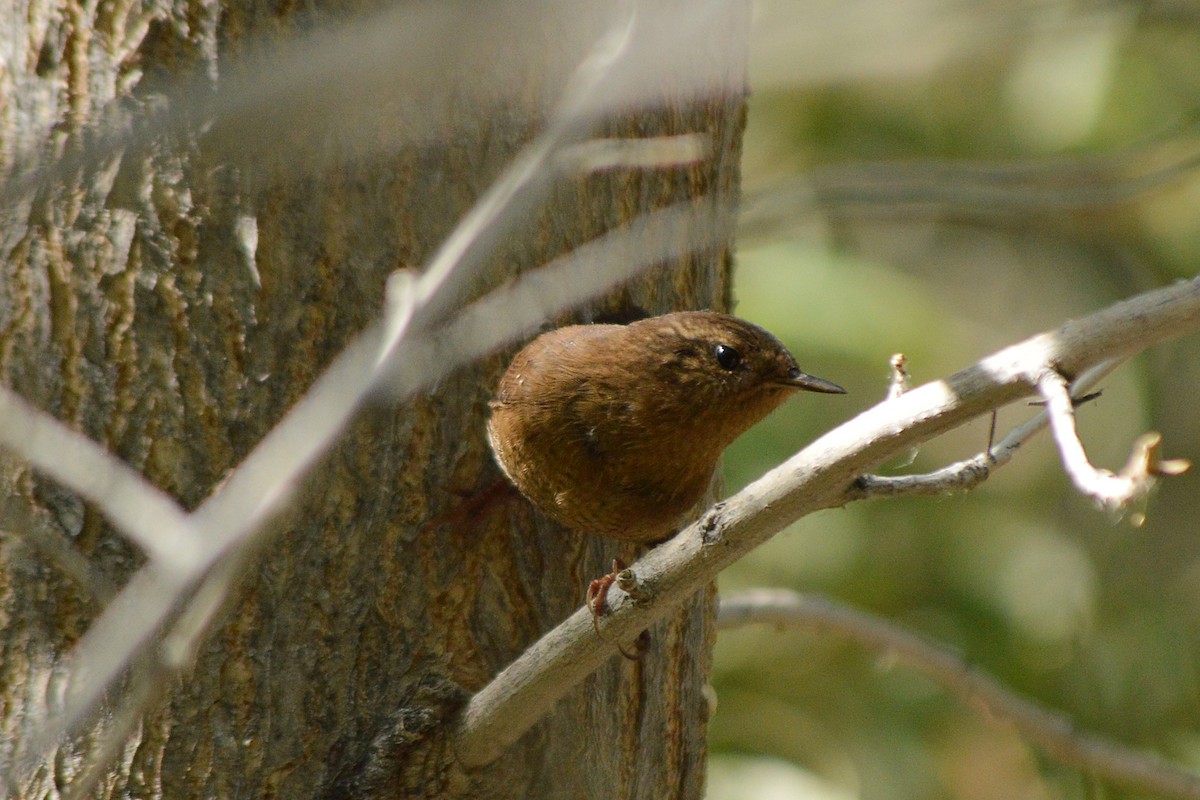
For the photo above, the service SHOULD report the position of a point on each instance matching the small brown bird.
(616, 430)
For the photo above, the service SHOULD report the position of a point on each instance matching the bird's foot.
(597, 596)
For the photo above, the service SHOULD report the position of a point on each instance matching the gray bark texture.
(135, 307)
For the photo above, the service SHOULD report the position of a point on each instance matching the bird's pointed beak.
(811, 383)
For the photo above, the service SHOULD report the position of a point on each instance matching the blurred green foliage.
(1068, 605)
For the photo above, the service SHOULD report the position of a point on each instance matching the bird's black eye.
(727, 357)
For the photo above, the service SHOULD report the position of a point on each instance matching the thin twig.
(1052, 731)
(151, 519)
(984, 189)
(969, 473)
(1113, 491)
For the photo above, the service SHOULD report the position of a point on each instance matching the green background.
(957, 188)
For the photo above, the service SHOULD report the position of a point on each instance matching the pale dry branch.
(961, 476)
(175, 652)
(820, 476)
(586, 272)
(1112, 491)
(969, 473)
(1054, 732)
(151, 519)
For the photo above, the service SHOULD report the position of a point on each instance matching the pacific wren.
(616, 430)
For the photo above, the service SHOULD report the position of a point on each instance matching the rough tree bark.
(137, 306)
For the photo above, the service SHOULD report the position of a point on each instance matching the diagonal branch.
(151, 519)
(822, 475)
(1053, 731)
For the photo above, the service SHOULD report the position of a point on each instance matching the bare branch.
(1109, 490)
(982, 189)
(820, 476)
(961, 476)
(146, 515)
(587, 271)
(965, 475)
(1052, 731)
(174, 654)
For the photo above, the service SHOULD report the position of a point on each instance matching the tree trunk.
(173, 300)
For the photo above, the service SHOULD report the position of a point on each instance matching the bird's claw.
(597, 596)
